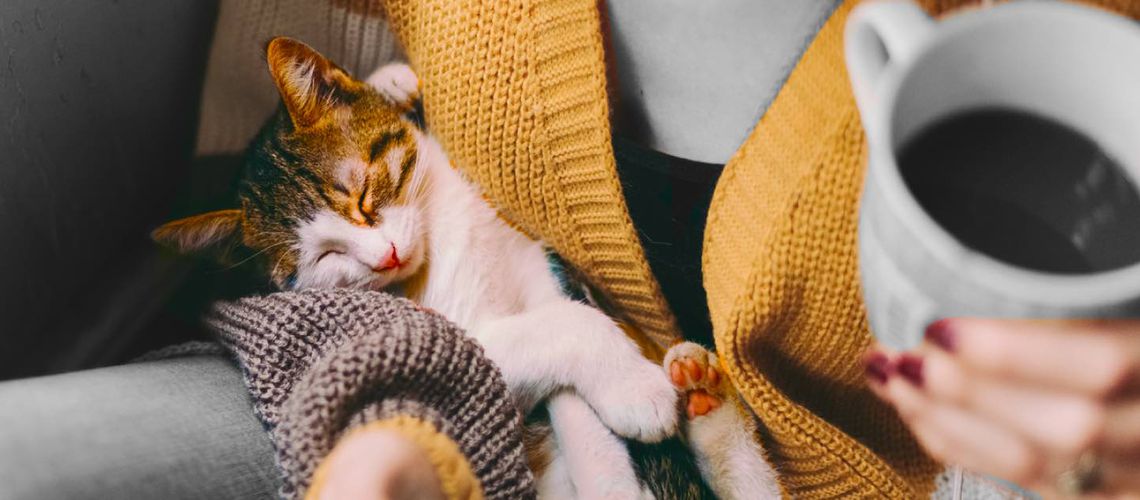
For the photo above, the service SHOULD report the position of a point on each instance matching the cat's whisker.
(255, 255)
(277, 264)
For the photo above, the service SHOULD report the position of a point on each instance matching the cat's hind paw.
(397, 83)
(696, 372)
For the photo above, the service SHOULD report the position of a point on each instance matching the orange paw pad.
(695, 371)
(701, 403)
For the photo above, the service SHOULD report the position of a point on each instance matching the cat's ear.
(310, 85)
(212, 233)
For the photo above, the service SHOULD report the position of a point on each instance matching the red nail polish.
(910, 367)
(942, 335)
(877, 367)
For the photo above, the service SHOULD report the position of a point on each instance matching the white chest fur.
(478, 268)
(497, 284)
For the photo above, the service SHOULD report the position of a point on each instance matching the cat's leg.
(553, 481)
(720, 432)
(567, 344)
(596, 460)
(397, 83)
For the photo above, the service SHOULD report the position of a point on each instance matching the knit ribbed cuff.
(321, 361)
(452, 470)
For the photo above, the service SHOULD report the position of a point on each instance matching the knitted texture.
(781, 272)
(974, 487)
(516, 92)
(320, 362)
(515, 89)
(782, 276)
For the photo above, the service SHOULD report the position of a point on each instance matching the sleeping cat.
(343, 189)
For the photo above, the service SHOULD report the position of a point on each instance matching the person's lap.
(177, 428)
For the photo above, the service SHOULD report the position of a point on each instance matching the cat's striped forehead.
(355, 163)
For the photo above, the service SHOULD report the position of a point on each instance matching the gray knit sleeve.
(319, 362)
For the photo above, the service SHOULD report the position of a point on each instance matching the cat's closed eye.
(365, 205)
(328, 253)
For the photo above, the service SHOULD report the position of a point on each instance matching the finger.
(1092, 357)
(952, 435)
(1116, 481)
(1064, 423)
(1047, 492)
(877, 368)
(1122, 433)
(1121, 478)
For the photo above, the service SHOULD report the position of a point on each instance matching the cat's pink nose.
(389, 262)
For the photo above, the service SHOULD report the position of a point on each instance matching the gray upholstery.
(98, 109)
(172, 429)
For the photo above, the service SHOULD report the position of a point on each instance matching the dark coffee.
(1025, 190)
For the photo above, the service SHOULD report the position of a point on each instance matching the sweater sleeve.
(320, 363)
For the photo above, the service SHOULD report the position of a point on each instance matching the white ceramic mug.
(1076, 65)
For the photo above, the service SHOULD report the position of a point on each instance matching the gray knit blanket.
(320, 362)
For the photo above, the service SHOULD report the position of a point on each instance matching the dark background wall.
(98, 109)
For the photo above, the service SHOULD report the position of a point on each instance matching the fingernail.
(942, 335)
(877, 367)
(910, 367)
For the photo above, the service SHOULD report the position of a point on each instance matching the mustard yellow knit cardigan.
(516, 91)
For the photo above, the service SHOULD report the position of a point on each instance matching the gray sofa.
(98, 111)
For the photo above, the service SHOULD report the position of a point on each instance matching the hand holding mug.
(1052, 405)
(1002, 179)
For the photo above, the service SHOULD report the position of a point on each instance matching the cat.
(343, 188)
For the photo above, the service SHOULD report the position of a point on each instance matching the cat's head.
(330, 189)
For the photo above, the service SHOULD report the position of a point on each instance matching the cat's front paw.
(697, 373)
(397, 83)
(641, 405)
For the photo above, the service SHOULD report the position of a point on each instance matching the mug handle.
(879, 33)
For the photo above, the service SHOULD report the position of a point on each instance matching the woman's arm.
(321, 363)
